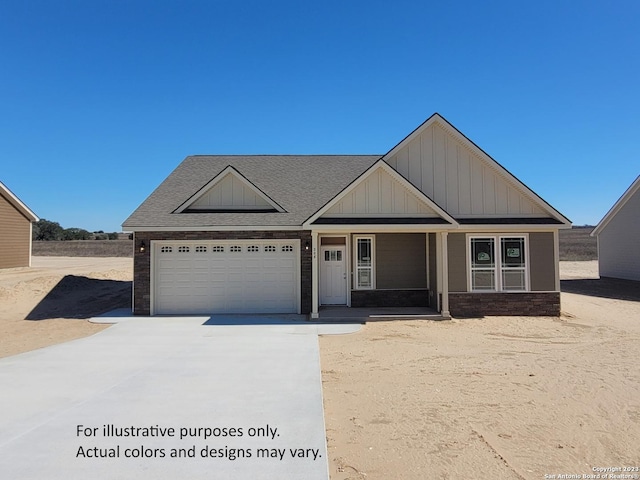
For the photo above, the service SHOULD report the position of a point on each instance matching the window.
(217, 249)
(364, 263)
(287, 248)
(166, 249)
(253, 248)
(498, 264)
(183, 249)
(270, 248)
(333, 255)
(235, 248)
(201, 249)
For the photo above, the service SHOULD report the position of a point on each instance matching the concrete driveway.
(181, 398)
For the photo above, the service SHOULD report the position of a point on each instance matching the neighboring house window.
(498, 263)
(364, 263)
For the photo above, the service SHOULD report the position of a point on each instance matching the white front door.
(333, 275)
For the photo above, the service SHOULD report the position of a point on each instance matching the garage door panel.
(225, 277)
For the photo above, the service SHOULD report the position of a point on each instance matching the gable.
(229, 192)
(380, 195)
(461, 178)
(624, 213)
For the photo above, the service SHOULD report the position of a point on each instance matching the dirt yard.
(492, 398)
(50, 302)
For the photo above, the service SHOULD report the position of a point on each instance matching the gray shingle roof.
(301, 184)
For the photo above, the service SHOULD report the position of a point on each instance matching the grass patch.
(577, 244)
(84, 248)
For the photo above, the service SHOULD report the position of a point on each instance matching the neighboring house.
(435, 222)
(15, 230)
(619, 237)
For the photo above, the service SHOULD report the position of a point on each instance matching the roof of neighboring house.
(300, 184)
(17, 203)
(622, 201)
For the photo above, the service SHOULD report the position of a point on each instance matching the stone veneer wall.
(545, 304)
(390, 298)
(142, 261)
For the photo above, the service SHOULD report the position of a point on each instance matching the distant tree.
(112, 236)
(100, 236)
(75, 234)
(47, 230)
(99, 231)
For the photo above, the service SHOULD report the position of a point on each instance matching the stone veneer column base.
(530, 304)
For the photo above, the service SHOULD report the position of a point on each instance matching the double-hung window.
(498, 263)
(364, 263)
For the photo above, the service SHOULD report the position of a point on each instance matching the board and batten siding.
(619, 242)
(401, 260)
(380, 194)
(458, 179)
(230, 192)
(15, 236)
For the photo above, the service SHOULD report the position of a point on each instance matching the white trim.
(556, 260)
(490, 162)
(229, 170)
(314, 275)
(381, 228)
(498, 262)
(295, 241)
(445, 275)
(380, 164)
(613, 211)
(355, 261)
(17, 203)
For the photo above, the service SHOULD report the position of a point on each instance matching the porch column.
(445, 274)
(314, 275)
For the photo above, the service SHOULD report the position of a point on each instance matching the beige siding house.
(618, 236)
(434, 223)
(15, 227)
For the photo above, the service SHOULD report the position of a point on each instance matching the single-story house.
(16, 220)
(435, 222)
(618, 236)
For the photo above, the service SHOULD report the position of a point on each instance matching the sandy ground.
(50, 302)
(491, 398)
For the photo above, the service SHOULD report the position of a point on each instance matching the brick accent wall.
(142, 260)
(390, 298)
(545, 304)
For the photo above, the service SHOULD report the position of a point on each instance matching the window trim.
(372, 239)
(498, 268)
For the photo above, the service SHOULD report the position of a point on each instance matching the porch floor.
(335, 313)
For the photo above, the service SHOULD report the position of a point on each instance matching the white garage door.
(240, 276)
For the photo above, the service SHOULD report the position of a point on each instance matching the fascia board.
(17, 203)
(613, 211)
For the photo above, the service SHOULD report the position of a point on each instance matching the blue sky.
(102, 99)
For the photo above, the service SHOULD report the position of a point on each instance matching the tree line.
(46, 230)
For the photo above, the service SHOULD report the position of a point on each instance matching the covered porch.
(380, 273)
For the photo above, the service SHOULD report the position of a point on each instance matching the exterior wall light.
(143, 247)
(306, 246)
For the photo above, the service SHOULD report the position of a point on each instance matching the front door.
(333, 275)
